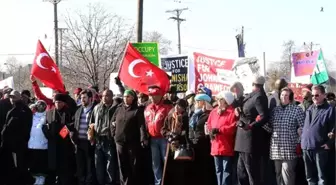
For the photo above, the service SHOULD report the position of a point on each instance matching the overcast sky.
(211, 25)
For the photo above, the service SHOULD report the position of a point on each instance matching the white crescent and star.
(133, 64)
(38, 62)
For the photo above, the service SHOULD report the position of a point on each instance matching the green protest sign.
(149, 50)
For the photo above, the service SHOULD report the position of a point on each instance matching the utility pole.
(140, 21)
(310, 45)
(55, 2)
(177, 18)
(61, 30)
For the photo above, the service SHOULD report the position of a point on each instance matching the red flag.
(138, 73)
(45, 69)
(64, 132)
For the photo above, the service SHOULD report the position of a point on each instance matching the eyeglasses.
(315, 95)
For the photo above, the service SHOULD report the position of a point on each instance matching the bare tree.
(20, 73)
(93, 46)
(286, 59)
(273, 74)
(164, 43)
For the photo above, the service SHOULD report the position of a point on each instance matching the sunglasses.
(315, 95)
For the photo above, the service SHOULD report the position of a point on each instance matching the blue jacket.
(315, 130)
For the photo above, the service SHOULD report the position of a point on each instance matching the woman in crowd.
(222, 128)
(38, 144)
(203, 168)
(175, 130)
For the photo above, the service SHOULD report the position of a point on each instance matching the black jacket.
(16, 131)
(60, 150)
(128, 125)
(196, 134)
(5, 106)
(255, 140)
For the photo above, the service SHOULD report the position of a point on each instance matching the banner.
(7, 82)
(178, 66)
(320, 74)
(212, 72)
(114, 87)
(245, 69)
(48, 92)
(297, 90)
(149, 50)
(304, 62)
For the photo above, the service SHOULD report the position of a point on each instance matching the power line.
(177, 18)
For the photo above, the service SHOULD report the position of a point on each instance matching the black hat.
(182, 103)
(26, 93)
(60, 97)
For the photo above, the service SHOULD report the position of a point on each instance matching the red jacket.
(223, 144)
(155, 114)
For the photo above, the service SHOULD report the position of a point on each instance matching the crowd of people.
(156, 138)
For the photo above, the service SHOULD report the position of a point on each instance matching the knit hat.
(260, 80)
(60, 97)
(182, 103)
(15, 94)
(202, 97)
(129, 93)
(189, 93)
(227, 96)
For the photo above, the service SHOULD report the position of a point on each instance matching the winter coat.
(177, 172)
(223, 143)
(128, 125)
(155, 114)
(203, 167)
(16, 131)
(60, 150)
(5, 106)
(254, 140)
(37, 139)
(167, 129)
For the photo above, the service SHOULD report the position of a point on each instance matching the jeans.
(224, 170)
(285, 171)
(106, 162)
(316, 163)
(158, 148)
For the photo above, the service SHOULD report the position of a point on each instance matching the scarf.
(194, 118)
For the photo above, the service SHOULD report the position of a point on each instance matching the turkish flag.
(138, 73)
(64, 132)
(45, 69)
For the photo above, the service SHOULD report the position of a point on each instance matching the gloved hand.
(214, 131)
(117, 81)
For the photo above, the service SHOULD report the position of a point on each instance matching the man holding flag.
(141, 75)
(60, 146)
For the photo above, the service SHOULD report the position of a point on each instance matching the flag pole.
(128, 43)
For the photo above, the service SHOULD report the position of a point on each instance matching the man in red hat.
(155, 114)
